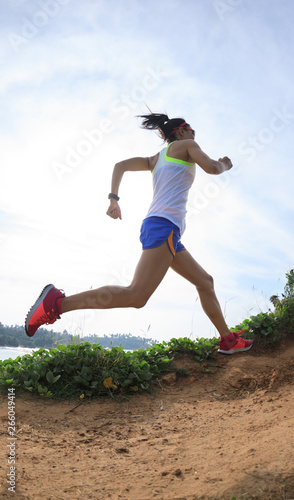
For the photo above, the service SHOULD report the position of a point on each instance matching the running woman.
(173, 171)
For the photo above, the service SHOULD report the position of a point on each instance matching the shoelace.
(50, 317)
(240, 340)
(239, 333)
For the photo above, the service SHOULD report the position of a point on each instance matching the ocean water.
(13, 352)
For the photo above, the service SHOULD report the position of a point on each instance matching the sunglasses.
(193, 131)
(185, 128)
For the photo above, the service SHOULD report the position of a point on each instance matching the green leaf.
(42, 390)
(39, 351)
(62, 348)
(8, 381)
(28, 383)
(81, 380)
(52, 378)
(49, 377)
(146, 376)
(94, 384)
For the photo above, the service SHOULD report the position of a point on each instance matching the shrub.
(272, 326)
(86, 369)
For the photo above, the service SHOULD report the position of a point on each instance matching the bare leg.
(186, 266)
(150, 271)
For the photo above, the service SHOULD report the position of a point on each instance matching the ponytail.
(162, 123)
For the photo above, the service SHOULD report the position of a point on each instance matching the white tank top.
(172, 179)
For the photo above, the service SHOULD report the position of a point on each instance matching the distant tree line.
(15, 336)
(127, 341)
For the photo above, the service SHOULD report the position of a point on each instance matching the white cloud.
(91, 63)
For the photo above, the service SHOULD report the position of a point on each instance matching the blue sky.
(74, 77)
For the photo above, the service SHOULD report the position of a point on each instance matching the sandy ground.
(215, 435)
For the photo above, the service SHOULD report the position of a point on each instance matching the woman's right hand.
(227, 162)
(114, 210)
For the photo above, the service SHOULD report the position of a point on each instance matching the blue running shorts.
(157, 230)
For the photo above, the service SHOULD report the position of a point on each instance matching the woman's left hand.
(114, 210)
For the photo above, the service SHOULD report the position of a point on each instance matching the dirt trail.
(207, 436)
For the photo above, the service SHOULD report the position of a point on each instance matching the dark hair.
(166, 127)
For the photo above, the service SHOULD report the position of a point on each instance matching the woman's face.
(190, 131)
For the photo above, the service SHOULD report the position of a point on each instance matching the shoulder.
(180, 149)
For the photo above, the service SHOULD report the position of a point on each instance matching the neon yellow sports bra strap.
(175, 160)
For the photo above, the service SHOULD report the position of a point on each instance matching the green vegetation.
(272, 326)
(88, 370)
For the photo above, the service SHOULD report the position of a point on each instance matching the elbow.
(119, 167)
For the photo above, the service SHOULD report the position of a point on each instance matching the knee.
(207, 284)
(137, 298)
(140, 302)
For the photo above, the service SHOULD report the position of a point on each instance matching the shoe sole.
(232, 351)
(36, 305)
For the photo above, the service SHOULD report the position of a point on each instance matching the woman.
(173, 172)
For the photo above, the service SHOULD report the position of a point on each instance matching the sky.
(74, 77)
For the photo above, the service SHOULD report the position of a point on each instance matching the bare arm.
(130, 165)
(205, 162)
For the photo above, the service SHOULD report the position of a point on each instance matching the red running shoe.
(44, 311)
(234, 343)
